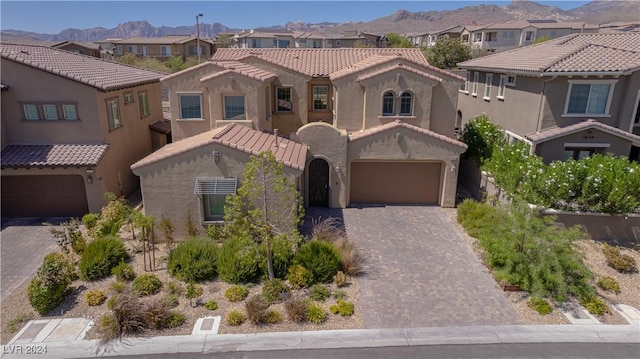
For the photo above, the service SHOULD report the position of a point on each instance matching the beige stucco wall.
(412, 146)
(168, 185)
(553, 150)
(221, 86)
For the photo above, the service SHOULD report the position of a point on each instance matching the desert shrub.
(316, 314)
(340, 279)
(623, 263)
(319, 292)
(94, 297)
(69, 237)
(100, 257)
(274, 290)
(211, 305)
(281, 256)
(174, 287)
(89, 220)
(112, 216)
(610, 284)
(109, 328)
(190, 226)
(215, 232)
(174, 320)
(299, 276)
(327, 230)
(256, 308)
(193, 291)
(155, 314)
(272, 317)
(193, 260)
(540, 305)
(341, 295)
(146, 284)
(51, 283)
(320, 258)
(170, 301)
(296, 308)
(13, 324)
(128, 317)
(235, 318)
(118, 286)
(482, 136)
(167, 229)
(238, 261)
(343, 308)
(123, 272)
(236, 293)
(350, 257)
(596, 306)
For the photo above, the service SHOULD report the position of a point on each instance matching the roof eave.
(582, 73)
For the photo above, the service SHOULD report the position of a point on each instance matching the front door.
(319, 183)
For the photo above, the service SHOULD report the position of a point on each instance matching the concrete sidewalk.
(363, 338)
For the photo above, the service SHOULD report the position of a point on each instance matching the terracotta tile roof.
(400, 67)
(318, 62)
(397, 123)
(58, 155)
(290, 153)
(239, 68)
(618, 52)
(98, 73)
(88, 45)
(521, 24)
(166, 40)
(241, 138)
(556, 132)
(163, 126)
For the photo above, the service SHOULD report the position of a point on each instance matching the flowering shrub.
(481, 135)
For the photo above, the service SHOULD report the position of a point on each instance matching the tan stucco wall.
(411, 147)
(554, 149)
(168, 185)
(326, 142)
(320, 115)
(221, 86)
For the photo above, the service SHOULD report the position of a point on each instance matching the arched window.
(406, 100)
(387, 103)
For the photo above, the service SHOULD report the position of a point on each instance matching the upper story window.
(283, 99)
(529, 36)
(128, 97)
(476, 78)
(50, 112)
(165, 50)
(119, 49)
(636, 117)
(492, 36)
(234, 107)
(406, 104)
(113, 113)
(132, 49)
(477, 37)
(320, 97)
(501, 86)
(283, 44)
(255, 43)
(31, 112)
(487, 86)
(388, 99)
(190, 106)
(589, 97)
(317, 44)
(143, 99)
(464, 87)
(69, 112)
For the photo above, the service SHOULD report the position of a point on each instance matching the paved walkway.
(420, 272)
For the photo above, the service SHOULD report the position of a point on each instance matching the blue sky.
(54, 16)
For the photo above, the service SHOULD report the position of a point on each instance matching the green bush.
(170, 301)
(320, 258)
(94, 297)
(112, 216)
(610, 284)
(299, 276)
(256, 308)
(100, 256)
(343, 308)
(174, 287)
(596, 306)
(281, 255)
(296, 308)
(481, 137)
(238, 261)
(341, 295)
(540, 305)
(319, 292)
(194, 260)
(235, 318)
(193, 291)
(118, 286)
(211, 305)
(146, 284)
(112, 302)
(174, 320)
(12, 325)
(89, 220)
(272, 317)
(275, 290)
(623, 263)
(316, 314)
(123, 272)
(236, 293)
(51, 283)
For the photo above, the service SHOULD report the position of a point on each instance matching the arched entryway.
(319, 183)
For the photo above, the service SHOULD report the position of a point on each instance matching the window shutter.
(215, 185)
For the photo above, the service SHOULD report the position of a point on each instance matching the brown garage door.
(395, 183)
(43, 196)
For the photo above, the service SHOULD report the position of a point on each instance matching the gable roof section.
(355, 136)
(241, 69)
(400, 67)
(56, 155)
(101, 74)
(291, 154)
(557, 132)
(576, 53)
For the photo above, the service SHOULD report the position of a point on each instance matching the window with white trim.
(477, 37)
(476, 77)
(31, 112)
(501, 86)
(132, 49)
(113, 113)
(50, 112)
(165, 50)
(487, 86)
(190, 105)
(636, 118)
(118, 49)
(320, 97)
(283, 99)
(589, 97)
(213, 192)
(234, 107)
(406, 104)
(128, 97)
(388, 99)
(143, 99)
(464, 87)
(69, 112)
(528, 36)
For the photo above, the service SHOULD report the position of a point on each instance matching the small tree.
(225, 40)
(397, 40)
(447, 53)
(265, 206)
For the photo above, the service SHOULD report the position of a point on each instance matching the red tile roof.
(241, 69)
(556, 132)
(99, 73)
(59, 155)
(163, 126)
(397, 123)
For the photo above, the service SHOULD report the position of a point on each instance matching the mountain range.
(402, 21)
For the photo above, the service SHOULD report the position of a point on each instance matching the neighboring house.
(452, 32)
(262, 39)
(253, 39)
(569, 97)
(351, 126)
(83, 48)
(504, 36)
(71, 127)
(162, 48)
(417, 39)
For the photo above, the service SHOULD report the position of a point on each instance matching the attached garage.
(43, 196)
(395, 182)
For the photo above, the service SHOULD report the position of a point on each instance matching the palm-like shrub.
(194, 260)
(100, 257)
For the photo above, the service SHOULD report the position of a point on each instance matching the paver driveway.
(420, 272)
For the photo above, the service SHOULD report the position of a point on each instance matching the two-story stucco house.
(71, 127)
(569, 97)
(351, 126)
(163, 48)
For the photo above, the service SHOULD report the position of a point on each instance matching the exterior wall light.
(90, 176)
(216, 156)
